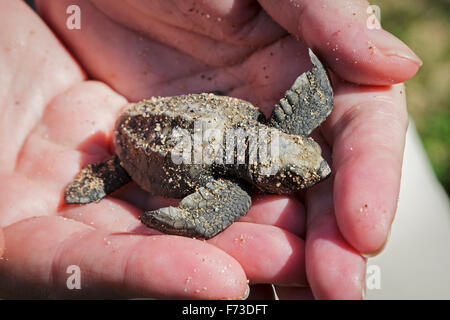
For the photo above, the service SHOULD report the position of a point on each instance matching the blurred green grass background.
(424, 25)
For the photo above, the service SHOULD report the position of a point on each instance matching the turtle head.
(298, 165)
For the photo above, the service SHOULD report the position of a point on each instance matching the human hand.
(53, 122)
(241, 61)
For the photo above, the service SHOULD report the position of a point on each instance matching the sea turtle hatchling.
(213, 184)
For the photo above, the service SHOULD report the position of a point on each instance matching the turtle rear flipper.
(306, 104)
(96, 181)
(204, 213)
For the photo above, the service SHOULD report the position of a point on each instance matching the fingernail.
(390, 45)
(377, 252)
(246, 293)
(369, 255)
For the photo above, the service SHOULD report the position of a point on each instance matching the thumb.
(347, 36)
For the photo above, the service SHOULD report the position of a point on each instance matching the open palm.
(53, 121)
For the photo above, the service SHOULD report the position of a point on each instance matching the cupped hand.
(54, 122)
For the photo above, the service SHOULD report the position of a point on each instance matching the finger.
(367, 130)
(110, 215)
(334, 269)
(280, 211)
(340, 34)
(268, 254)
(294, 293)
(114, 265)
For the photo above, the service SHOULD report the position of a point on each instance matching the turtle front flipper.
(306, 104)
(96, 181)
(204, 213)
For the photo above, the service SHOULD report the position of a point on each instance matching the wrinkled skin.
(53, 122)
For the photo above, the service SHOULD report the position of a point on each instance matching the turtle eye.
(324, 169)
